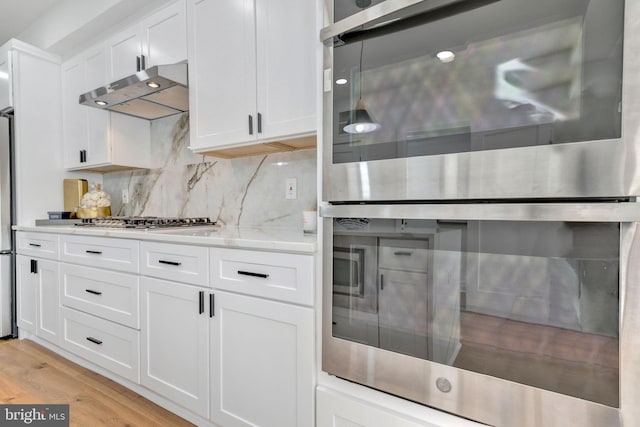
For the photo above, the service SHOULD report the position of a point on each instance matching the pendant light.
(360, 121)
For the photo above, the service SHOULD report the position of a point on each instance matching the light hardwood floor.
(30, 373)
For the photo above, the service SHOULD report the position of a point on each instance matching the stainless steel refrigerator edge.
(7, 282)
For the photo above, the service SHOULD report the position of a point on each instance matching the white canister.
(309, 221)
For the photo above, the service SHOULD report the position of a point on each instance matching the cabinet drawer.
(40, 245)
(107, 294)
(107, 344)
(181, 263)
(103, 252)
(404, 254)
(284, 277)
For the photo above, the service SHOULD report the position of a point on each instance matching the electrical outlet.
(292, 189)
(125, 196)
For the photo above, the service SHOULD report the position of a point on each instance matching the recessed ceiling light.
(446, 56)
(153, 85)
(341, 81)
(101, 103)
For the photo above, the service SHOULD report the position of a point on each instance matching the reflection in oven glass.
(532, 302)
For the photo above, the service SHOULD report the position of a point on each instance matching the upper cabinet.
(159, 39)
(95, 139)
(98, 140)
(252, 74)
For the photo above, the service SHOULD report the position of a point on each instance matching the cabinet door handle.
(381, 281)
(252, 274)
(143, 66)
(250, 124)
(212, 305)
(94, 340)
(403, 253)
(81, 157)
(137, 63)
(259, 123)
(94, 252)
(176, 263)
(91, 291)
(34, 266)
(201, 302)
(35, 245)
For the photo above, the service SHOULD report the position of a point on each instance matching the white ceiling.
(18, 15)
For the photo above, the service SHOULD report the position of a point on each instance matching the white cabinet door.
(98, 123)
(338, 410)
(175, 343)
(222, 80)
(286, 67)
(38, 287)
(262, 363)
(123, 53)
(159, 39)
(27, 294)
(164, 35)
(85, 130)
(48, 303)
(74, 115)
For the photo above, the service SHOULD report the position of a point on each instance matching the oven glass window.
(532, 302)
(508, 74)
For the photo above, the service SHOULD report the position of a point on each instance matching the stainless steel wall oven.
(480, 222)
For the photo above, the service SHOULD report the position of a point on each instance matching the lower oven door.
(508, 314)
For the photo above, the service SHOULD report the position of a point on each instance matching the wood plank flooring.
(30, 373)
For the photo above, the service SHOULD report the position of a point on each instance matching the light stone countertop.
(274, 239)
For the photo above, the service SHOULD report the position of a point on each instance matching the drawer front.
(107, 344)
(181, 263)
(107, 294)
(102, 252)
(40, 245)
(284, 277)
(404, 254)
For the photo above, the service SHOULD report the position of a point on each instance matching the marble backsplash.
(245, 192)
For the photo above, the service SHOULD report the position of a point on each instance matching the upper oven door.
(530, 103)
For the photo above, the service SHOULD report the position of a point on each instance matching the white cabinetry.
(339, 410)
(96, 139)
(262, 362)
(99, 315)
(159, 39)
(175, 342)
(37, 285)
(258, 342)
(252, 71)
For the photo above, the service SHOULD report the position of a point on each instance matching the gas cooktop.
(144, 222)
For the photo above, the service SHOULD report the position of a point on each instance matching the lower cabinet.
(105, 343)
(38, 284)
(261, 362)
(175, 342)
(338, 410)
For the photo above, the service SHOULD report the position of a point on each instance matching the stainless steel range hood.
(150, 94)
